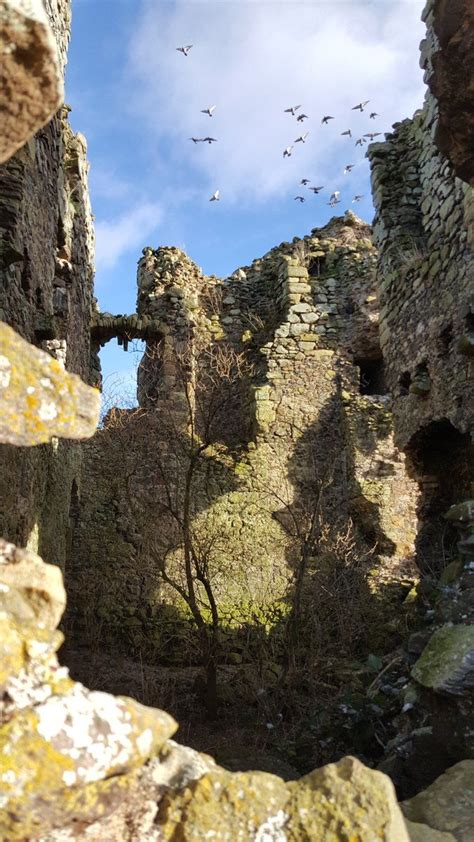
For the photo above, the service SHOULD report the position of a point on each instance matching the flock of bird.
(288, 151)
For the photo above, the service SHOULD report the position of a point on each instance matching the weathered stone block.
(31, 85)
(448, 804)
(296, 272)
(38, 399)
(30, 590)
(301, 308)
(447, 663)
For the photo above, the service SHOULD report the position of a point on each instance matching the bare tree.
(329, 600)
(199, 418)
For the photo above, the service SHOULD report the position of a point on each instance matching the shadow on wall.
(441, 460)
(35, 489)
(281, 659)
(336, 537)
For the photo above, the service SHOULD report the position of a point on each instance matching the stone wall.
(46, 294)
(85, 765)
(313, 411)
(450, 25)
(423, 230)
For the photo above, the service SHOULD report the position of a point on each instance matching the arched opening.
(118, 372)
(441, 459)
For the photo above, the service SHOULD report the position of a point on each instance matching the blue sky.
(138, 101)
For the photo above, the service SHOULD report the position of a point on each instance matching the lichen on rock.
(341, 802)
(38, 398)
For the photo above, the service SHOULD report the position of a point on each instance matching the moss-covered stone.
(447, 662)
(342, 802)
(53, 752)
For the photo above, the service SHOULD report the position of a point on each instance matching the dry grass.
(410, 259)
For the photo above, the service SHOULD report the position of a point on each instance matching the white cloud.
(252, 60)
(107, 183)
(127, 232)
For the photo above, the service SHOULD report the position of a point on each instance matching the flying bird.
(300, 199)
(305, 181)
(348, 168)
(360, 142)
(317, 189)
(209, 140)
(287, 152)
(209, 111)
(373, 134)
(348, 133)
(301, 117)
(292, 110)
(361, 105)
(215, 197)
(373, 115)
(302, 138)
(326, 119)
(335, 196)
(184, 50)
(357, 199)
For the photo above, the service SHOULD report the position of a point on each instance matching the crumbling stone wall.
(46, 294)
(83, 764)
(305, 316)
(424, 233)
(450, 76)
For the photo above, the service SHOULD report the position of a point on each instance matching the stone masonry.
(450, 25)
(423, 230)
(315, 410)
(424, 234)
(46, 294)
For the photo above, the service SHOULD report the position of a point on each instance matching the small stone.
(300, 308)
(310, 318)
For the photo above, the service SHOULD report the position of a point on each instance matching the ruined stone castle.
(351, 397)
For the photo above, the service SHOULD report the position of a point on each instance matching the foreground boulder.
(72, 758)
(31, 87)
(422, 833)
(448, 804)
(38, 398)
